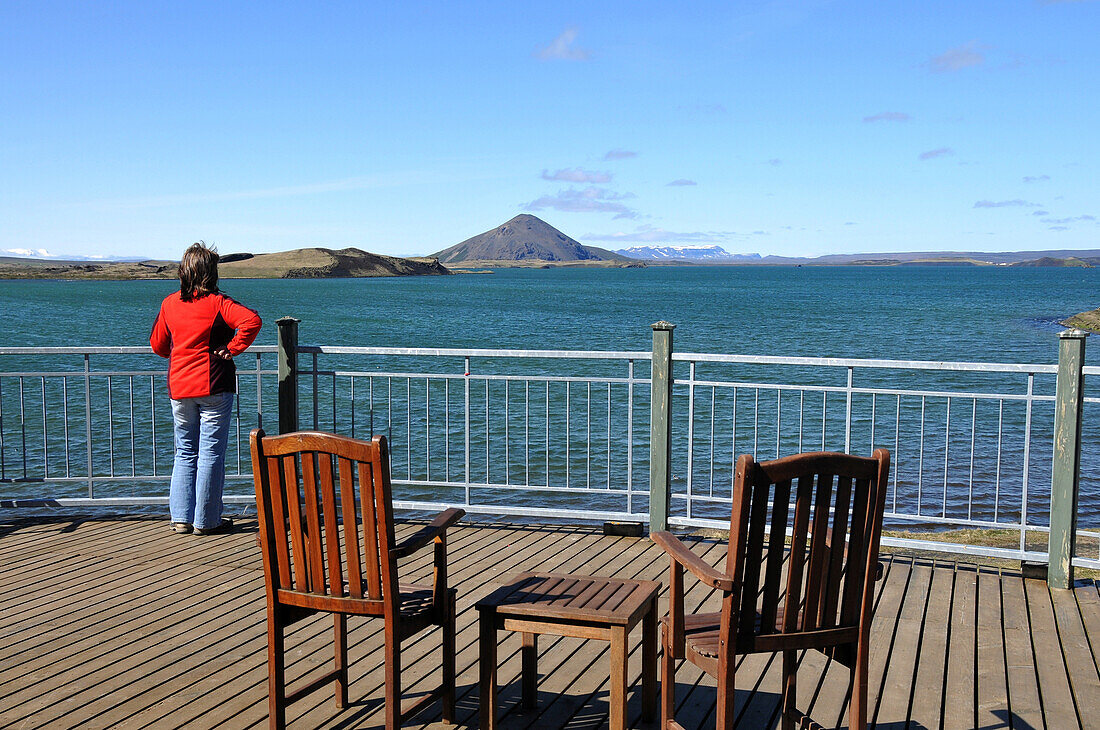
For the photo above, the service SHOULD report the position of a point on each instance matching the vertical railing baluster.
(997, 479)
(133, 429)
(756, 424)
(588, 436)
(259, 394)
(973, 433)
(609, 435)
(351, 395)
(801, 413)
(65, 419)
(87, 420)
(920, 459)
(874, 404)
(824, 415)
(153, 420)
(527, 432)
(946, 456)
(427, 430)
(630, 436)
(45, 435)
(507, 434)
(237, 408)
(447, 428)
(848, 413)
(897, 453)
(691, 436)
(733, 439)
(778, 421)
(3, 452)
(110, 427)
(23, 426)
(710, 490)
(547, 424)
(568, 408)
(488, 478)
(466, 416)
(408, 431)
(1027, 459)
(335, 429)
(316, 414)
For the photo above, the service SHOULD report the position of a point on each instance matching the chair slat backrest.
(831, 506)
(326, 517)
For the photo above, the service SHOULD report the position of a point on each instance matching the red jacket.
(188, 333)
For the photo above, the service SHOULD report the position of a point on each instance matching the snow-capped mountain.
(684, 253)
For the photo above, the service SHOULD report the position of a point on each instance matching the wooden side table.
(571, 605)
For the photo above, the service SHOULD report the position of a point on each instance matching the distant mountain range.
(714, 254)
(526, 238)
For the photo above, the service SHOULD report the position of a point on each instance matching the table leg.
(649, 662)
(617, 699)
(488, 670)
(530, 653)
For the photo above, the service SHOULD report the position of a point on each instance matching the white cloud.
(955, 59)
(938, 152)
(888, 117)
(562, 48)
(577, 175)
(588, 200)
(620, 155)
(1016, 203)
(681, 182)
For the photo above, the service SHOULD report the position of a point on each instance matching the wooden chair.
(317, 560)
(823, 600)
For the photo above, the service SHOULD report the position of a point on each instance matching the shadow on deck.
(120, 623)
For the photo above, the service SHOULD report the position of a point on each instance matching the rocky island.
(303, 263)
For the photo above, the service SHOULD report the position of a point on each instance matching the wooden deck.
(123, 624)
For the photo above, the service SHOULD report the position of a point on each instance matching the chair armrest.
(429, 532)
(698, 567)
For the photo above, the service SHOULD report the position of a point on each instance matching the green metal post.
(1066, 477)
(288, 374)
(660, 431)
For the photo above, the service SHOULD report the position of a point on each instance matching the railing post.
(660, 431)
(1066, 471)
(288, 374)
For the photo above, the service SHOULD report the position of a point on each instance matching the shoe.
(225, 526)
(181, 528)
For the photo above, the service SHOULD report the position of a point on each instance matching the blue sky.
(793, 128)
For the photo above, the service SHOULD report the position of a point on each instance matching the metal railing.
(569, 434)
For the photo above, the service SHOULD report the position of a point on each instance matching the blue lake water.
(988, 314)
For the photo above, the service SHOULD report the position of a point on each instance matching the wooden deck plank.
(1023, 693)
(192, 653)
(1084, 679)
(897, 690)
(1057, 699)
(960, 687)
(992, 697)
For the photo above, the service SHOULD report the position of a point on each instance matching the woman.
(195, 330)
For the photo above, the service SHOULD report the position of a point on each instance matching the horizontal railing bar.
(460, 376)
(124, 350)
(113, 373)
(477, 352)
(515, 487)
(865, 390)
(867, 363)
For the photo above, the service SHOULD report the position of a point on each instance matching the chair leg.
(668, 679)
(448, 669)
(857, 711)
(727, 692)
(340, 643)
(790, 682)
(393, 679)
(276, 680)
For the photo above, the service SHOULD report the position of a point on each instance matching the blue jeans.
(198, 474)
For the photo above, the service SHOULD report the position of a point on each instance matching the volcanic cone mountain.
(525, 237)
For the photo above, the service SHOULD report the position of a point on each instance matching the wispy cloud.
(1016, 203)
(588, 200)
(651, 234)
(1059, 228)
(619, 154)
(775, 162)
(938, 152)
(1041, 212)
(888, 117)
(1036, 178)
(681, 181)
(955, 59)
(577, 175)
(562, 48)
(1074, 219)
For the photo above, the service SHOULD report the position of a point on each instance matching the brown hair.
(198, 272)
